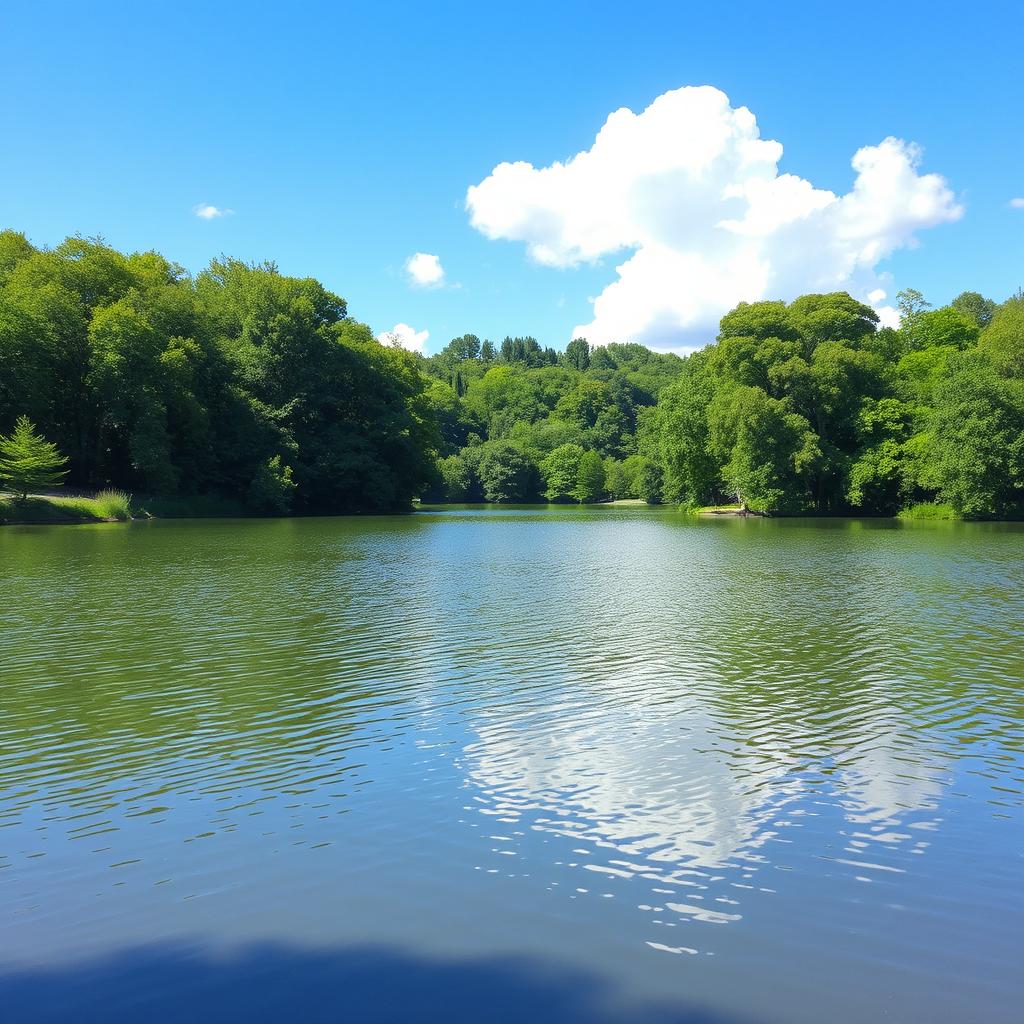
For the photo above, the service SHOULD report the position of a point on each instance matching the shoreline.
(80, 510)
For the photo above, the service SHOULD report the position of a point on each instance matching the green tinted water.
(488, 764)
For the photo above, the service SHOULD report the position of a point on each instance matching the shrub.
(111, 504)
(929, 510)
(272, 488)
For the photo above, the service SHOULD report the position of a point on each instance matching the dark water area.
(512, 764)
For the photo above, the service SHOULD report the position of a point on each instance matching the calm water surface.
(495, 765)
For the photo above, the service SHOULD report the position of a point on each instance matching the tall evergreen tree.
(28, 462)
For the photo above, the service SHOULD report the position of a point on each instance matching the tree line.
(240, 382)
(519, 423)
(810, 407)
(249, 384)
(807, 407)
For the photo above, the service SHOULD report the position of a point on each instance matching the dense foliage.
(808, 407)
(259, 387)
(241, 382)
(522, 423)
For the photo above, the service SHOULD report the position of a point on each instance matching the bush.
(113, 504)
(929, 510)
(272, 488)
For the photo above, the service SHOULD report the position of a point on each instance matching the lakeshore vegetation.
(246, 390)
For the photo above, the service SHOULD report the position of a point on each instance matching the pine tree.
(28, 461)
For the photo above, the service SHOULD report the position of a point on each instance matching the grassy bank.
(117, 506)
(714, 510)
(105, 507)
(110, 506)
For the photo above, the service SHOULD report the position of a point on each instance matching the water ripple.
(597, 737)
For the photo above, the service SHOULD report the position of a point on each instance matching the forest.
(247, 384)
(241, 382)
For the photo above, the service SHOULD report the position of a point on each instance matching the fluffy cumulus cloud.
(690, 197)
(207, 211)
(1017, 203)
(424, 270)
(404, 336)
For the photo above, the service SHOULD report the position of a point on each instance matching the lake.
(495, 764)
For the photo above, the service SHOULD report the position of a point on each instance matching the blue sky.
(344, 137)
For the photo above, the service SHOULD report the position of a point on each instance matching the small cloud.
(888, 316)
(404, 336)
(424, 270)
(207, 211)
(1017, 203)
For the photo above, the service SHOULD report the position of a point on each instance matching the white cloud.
(207, 211)
(1017, 203)
(424, 270)
(624, 783)
(691, 197)
(404, 336)
(888, 316)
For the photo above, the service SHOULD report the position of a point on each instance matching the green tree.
(127, 375)
(28, 462)
(975, 458)
(947, 326)
(561, 472)
(617, 480)
(14, 247)
(691, 471)
(633, 467)
(589, 479)
(272, 488)
(834, 316)
(506, 473)
(352, 413)
(527, 351)
(466, 347)
(648, 481)
(583, 404)
(504, 396)
(457, 477)
(975, 307)
(454, 422)
(454, 482)
(1003, 339)
(577, 354)
(768, 451)
(882, 474)
(911, 303)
